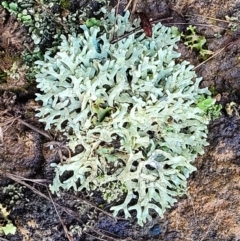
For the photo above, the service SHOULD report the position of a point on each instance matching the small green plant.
(207, 104)
(93, 22)
(196, 42)
(11, 7)
(7, 227)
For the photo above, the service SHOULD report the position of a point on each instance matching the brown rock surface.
(210, 211)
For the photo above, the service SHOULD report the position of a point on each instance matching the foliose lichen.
(132, 108)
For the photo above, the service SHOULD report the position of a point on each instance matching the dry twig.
(35, 129)
(68, 211)
(134, 4)
(136, 30)
(70, 238)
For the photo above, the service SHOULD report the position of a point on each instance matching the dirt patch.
(210, 211)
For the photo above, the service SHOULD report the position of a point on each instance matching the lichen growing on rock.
(131, 107)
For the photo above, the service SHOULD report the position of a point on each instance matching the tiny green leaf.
(8, 229)
(93, 22)
(13, 7)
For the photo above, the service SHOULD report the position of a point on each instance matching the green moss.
(213, 90)
(65, 4)
(3, 77)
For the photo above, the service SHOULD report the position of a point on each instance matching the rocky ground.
(210, 211)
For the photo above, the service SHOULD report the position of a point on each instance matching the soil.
(210, 211)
